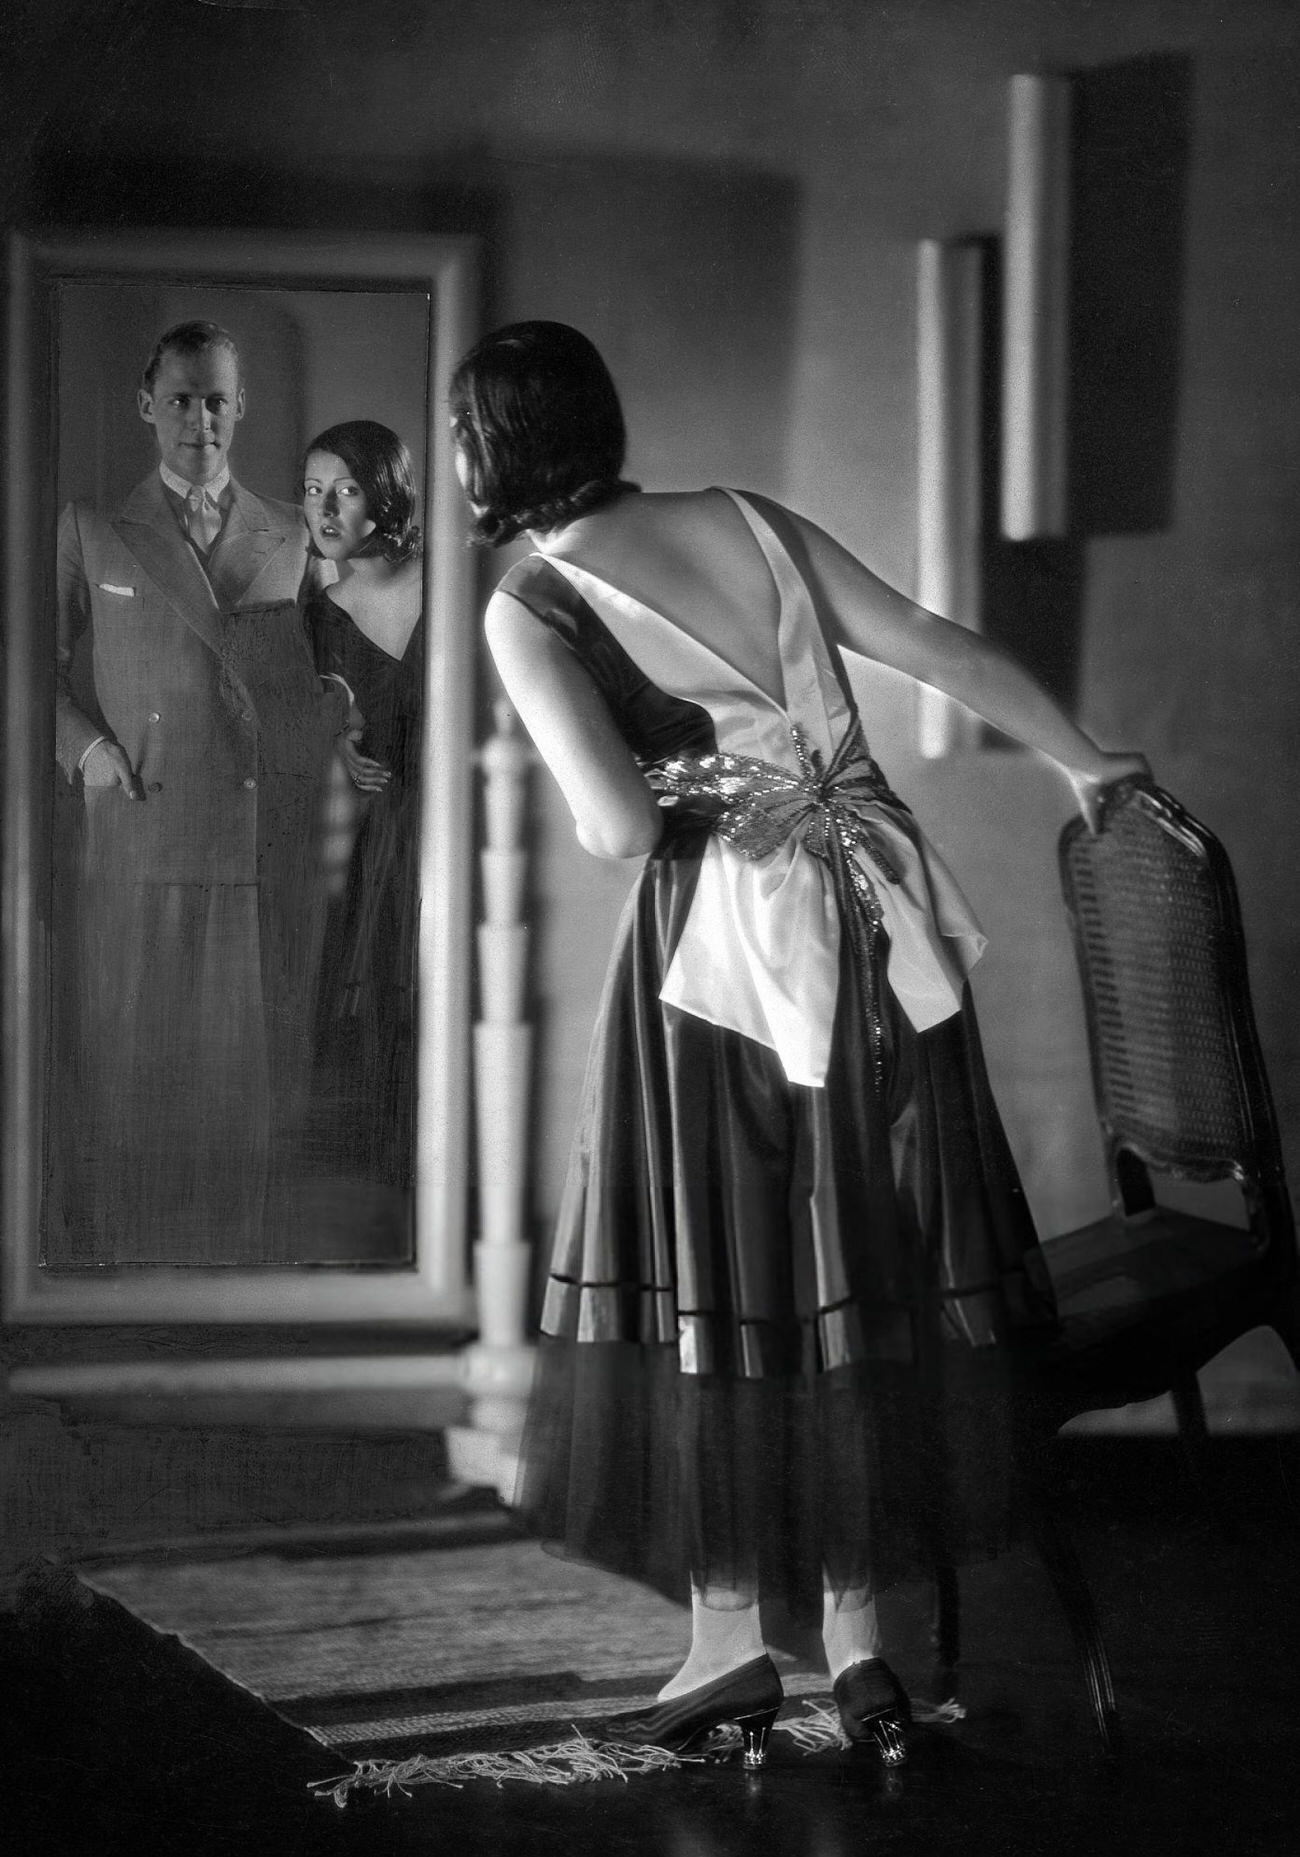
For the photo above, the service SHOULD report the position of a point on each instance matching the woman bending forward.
(795, 1283)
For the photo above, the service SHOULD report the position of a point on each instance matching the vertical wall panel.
(1036, 309)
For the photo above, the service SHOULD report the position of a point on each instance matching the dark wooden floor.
(119, 1742)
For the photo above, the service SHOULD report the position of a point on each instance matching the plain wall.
(727, 194)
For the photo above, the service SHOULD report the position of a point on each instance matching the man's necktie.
(202, 518)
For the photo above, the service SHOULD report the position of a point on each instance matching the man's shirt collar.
(181, 488)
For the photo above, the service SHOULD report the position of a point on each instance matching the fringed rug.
(811, 1727)
(445, 1664)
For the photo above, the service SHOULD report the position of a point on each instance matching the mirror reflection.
(365, 631)
(239, 685)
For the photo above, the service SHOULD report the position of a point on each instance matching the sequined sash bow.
(823, 805)
(761, 805)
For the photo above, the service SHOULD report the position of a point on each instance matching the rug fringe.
(818, 1728)
(577, 1760)
(572, 1762)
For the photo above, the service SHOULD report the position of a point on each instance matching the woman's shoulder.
(524, 576)
(667, 525)
(536, 584)
(319, 590)
(718, 514)
(702, 508)
(354, 596)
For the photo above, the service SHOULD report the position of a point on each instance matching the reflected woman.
(359, 501)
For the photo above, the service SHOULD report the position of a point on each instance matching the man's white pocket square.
(127, 593)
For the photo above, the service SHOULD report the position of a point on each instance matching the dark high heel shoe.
(874, 1709)
(749, 1696)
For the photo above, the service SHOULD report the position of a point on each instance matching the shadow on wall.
(1132, 142)
(685, 275)
(104, 184)
(1129, 158)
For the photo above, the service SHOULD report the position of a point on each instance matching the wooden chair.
(1152, 1291)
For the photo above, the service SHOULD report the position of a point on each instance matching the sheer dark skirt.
(365, 1031)
(788, 1332)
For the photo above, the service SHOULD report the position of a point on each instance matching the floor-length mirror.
(240, 668)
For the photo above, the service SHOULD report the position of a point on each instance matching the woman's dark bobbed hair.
(537, 418)
(381, 464)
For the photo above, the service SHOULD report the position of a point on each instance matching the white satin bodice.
(759, 952)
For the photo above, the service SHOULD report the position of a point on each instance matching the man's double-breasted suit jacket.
(206, 681)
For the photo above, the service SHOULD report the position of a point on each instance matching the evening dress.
(795, 1290)
(366, 1019)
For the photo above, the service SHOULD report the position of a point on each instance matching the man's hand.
(107, 765)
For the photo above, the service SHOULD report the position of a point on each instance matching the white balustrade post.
(498, 1367)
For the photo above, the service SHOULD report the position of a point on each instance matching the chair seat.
(1144, 1298)
(1115, 1270)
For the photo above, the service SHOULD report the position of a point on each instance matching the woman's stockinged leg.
(850, 1630)
(873, 1705)
(725, 1633)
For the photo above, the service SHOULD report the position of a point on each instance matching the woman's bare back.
(692, 558)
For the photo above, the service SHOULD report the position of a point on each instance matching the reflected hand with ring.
(368, 775)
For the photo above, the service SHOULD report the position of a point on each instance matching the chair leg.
(1059, 1557)
(1193, 1433)
(945, 1634)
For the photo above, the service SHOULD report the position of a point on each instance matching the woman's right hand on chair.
(1111, 769)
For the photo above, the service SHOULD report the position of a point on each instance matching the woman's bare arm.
(614, 809)
(875, 619)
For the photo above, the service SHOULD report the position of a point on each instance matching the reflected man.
(201, 733)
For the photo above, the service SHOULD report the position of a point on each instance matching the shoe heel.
(890, 1737)
(755, 1729)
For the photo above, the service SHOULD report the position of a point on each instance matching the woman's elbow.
(628, 837)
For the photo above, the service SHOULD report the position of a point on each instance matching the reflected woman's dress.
(365, 1033)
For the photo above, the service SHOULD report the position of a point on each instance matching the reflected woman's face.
(464, 466)
(461, 459)
(335, 506)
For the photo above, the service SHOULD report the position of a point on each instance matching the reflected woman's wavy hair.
(537, 418)
(381, 464)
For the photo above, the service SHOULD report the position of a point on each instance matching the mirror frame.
(433, 1288)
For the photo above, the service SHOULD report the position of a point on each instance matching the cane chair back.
(1152, 1292)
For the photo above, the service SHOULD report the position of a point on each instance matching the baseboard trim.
(172, 1378)
(461, 1517)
